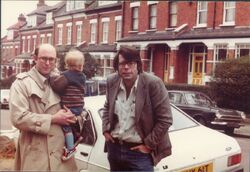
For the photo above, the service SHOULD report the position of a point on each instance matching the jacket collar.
(37, 77)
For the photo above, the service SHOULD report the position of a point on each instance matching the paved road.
(242, 135)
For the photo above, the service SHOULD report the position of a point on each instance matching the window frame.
(152, 16)
(135, 18)
(226, 10)
(173, 14)
(105, 31)
(201, 11)
(69, 35)
(78, 34)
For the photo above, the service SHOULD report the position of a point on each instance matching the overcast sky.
(10, 10)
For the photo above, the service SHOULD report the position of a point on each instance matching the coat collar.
(140, 93)
(37, 77)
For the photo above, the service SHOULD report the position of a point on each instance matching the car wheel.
(229, 130)
(201, 121)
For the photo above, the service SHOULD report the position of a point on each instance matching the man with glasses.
(35, 110)
(136, 115)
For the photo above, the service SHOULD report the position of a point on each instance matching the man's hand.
(64, 117)
(108, 137)
(142, 148)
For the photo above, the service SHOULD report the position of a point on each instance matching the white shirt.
(125, 110)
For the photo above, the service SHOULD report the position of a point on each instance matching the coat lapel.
(113, 92)
(140, 97)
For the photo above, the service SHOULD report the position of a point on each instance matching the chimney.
(40, 3)
(21, 18)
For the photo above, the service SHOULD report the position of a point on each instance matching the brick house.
(10, 47)
(181, 42)
(90, 26)
(39, 29)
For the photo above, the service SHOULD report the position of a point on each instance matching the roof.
(56, 6)
(99, 48)
(216, 33)
(40, 10)
(149, 36)
(191, 34)
(94, 7)
(17, 25)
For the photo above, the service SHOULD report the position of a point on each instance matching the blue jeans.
(121, 158)
(69, 138)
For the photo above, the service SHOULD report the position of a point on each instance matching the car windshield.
(197, 99)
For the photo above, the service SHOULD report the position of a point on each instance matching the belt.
(126, 144)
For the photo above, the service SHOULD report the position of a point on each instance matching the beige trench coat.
(40, 143)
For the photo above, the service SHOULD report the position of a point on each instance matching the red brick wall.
(159, 60)
(242, 14)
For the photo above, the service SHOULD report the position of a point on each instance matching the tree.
(90, 66)
(230, 85)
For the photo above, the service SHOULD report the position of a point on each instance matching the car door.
(86, 145)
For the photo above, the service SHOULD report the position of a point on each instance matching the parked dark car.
(205, 111)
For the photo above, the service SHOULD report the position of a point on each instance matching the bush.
(230, 85)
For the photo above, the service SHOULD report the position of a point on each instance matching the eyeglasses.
(129, 64)
(45, 59)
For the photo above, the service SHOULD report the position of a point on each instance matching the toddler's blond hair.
(74, 60)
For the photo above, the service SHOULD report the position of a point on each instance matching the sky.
(10, 10)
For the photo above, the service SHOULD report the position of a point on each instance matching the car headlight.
(242, 114)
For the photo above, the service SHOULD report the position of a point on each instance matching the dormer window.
(49, 18)
(32, 21)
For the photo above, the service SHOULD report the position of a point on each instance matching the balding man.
(35, 110)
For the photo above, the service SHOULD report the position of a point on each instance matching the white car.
(195, 148)
(4, 98)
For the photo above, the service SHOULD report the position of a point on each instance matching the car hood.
(222, 111)
(199, 150)
(227, 111)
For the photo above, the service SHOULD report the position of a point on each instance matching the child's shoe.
(67, 154)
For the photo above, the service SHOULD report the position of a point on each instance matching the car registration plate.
(201, 168)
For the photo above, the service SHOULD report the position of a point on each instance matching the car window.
(205, 100)
(88, 131)
(176, 98)
(180, 120)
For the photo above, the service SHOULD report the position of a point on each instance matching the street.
(242, 135)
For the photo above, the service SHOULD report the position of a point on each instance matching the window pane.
(173, 14)
(230, 15)
(135, 18)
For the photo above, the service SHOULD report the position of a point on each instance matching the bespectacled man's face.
(45, 61)
(127, 69)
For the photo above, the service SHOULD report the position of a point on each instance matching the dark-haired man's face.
(127, 69)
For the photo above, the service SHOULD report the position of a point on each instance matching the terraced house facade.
(179, 41)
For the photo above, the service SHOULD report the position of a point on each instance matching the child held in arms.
(70, 86)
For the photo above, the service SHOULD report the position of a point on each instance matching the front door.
(197, 70)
